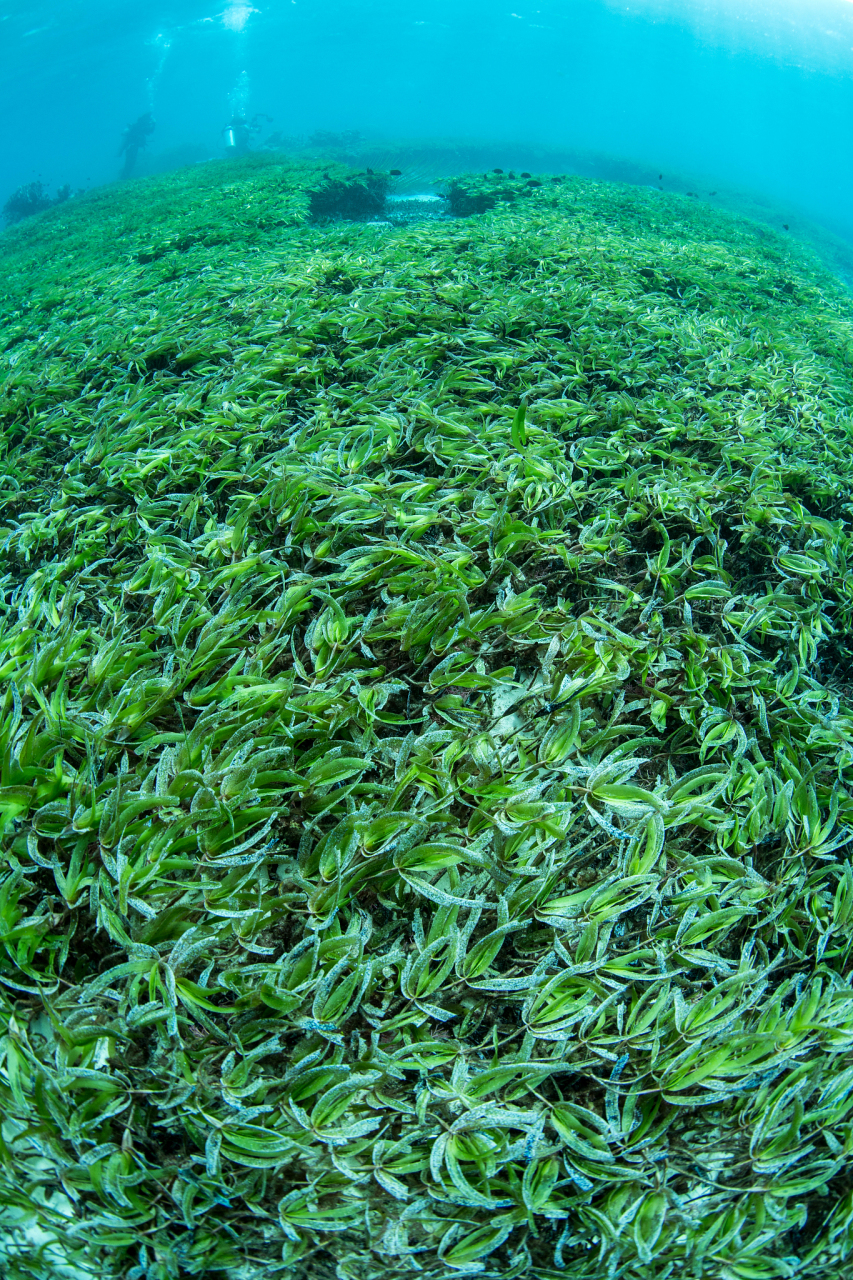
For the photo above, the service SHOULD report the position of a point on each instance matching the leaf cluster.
(32, 198)
(425, 741)
(357, 198)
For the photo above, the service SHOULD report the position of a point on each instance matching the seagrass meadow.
(426, 738)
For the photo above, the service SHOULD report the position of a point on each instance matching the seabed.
(425, 735)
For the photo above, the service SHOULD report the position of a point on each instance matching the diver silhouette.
(240, 133)
(134, 138)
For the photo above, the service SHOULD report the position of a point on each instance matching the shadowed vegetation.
(425, 739)
(358, 199)
(30, 199)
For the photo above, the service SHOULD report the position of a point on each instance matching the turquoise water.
(750, 98)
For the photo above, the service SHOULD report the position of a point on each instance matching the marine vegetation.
(30, 199)
(426, 742)
(355, 198)
(470, 194)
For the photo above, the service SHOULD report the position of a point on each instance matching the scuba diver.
(240, 133)
(135, 137)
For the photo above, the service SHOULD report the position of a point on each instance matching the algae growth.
(425, 739)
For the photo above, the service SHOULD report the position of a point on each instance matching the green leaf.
(518, 431)
(324, 773)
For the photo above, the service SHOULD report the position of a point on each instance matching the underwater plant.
(426, 740)
(469, 194)
(354, 198)
(30, 199)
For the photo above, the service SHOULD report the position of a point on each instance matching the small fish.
(497, 171)
(395, 173)
(785, 227)
(660, 177)
(712, 193)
